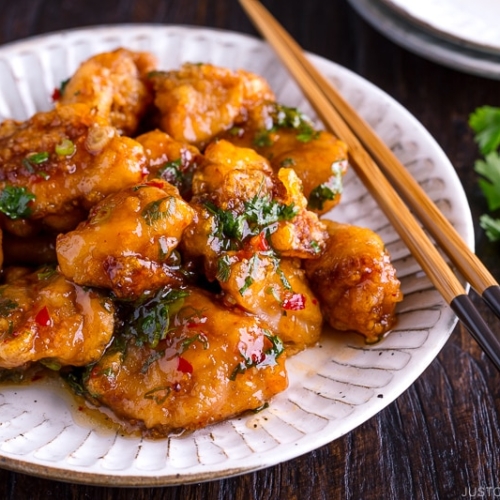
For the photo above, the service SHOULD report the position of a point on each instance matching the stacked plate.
(457, 33)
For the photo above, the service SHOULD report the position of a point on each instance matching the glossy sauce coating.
(45, 317)
(126, 243)
(214, 363)
(115, 85)
(68, 159)
(199, 101)
(355, 281)
(202, 234)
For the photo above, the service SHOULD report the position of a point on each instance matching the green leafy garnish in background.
(485, 122)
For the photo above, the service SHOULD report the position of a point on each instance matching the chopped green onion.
(37, 158)
(65, 148)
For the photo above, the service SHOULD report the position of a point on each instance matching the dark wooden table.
(441, 438)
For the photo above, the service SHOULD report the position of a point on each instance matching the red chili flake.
(257, 357)
(184, 365)
(43, 317)
(56, 94)
(263, 245)
(296, 302)
(245, 254)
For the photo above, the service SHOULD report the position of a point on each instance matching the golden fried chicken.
(249, 224)
(58, 164)
(239, 201)
(184, 361)
(127, 242)
(170, 160)
(275, 291)
(44, 317)
(199, 101)
(115, 85)
(355, 281)
(288, 139)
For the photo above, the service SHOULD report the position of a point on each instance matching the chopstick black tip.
(491, 296)
(473, 321)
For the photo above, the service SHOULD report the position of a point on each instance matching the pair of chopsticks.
(368, 155)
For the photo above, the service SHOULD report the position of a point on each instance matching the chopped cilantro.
(485, 122)
(264, 211)
(199, 337)
(328, 190)
(46, 272)
(290, 118)
(489, 169)
(246, 285)
(14, 202)
(158, 209)
(62, 86)
(223, 268)
(159, 395)
(75, 380)
(171, 172)
(229, 227)
(260, 213)
(491, 227)
(260, 360)
(263, 138)
(150, 320)
(253, 264)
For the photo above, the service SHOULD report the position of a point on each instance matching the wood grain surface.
(441, 438)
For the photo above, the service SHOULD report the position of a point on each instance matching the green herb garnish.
(327, 191)
(171, 172)
(290, 118)
(150, 320)
(260, 214)
(158, 209)
(14, 202)
(485, 122)
(266, 358)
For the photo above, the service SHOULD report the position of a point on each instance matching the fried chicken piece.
(58, 164)
(277, 292)
(205, 363)
(44, 317)
(199, 101)
(240, 202)
(355, 281)
(170, 160)
(288, 139)
(127, 242)
(115, 85)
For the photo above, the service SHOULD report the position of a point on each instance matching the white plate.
(333, 387)
(466, 22)
(422, 42)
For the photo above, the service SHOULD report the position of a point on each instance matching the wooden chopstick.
(431, 217)
(329, 106)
